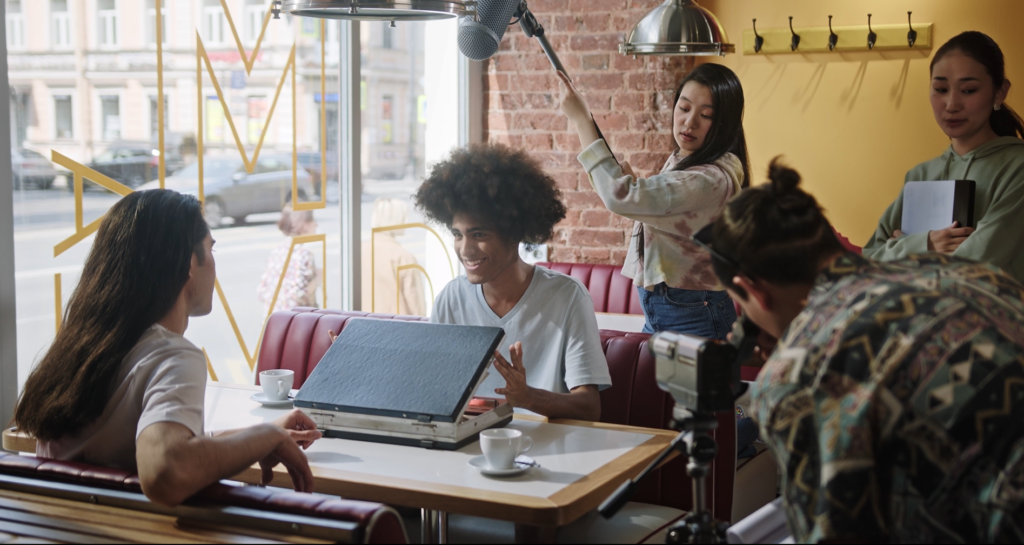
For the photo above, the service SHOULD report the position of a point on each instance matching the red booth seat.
(376, 523)
(610, 291)
(297, 339)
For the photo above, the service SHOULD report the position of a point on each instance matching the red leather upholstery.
(378, 523)
(635, 400)
(610, 291)
(846, 242)
(297, 339)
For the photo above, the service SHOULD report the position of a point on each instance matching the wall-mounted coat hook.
(872, 37)
(795, 41)
(758, 40)
(912, 35)
(833, 38)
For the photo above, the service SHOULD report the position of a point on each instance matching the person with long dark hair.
(678, 289)
(968, 97)
(892, 402)
(121, 387)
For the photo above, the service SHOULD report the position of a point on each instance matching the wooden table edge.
(559, 509)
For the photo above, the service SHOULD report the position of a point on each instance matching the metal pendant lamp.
(376, 10)
(678, 27)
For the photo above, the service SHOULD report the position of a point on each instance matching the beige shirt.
(672, 206)
(387, 257)
(163, 379)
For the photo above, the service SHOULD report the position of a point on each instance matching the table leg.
(427, 533)
(442, 527)
(433, 527)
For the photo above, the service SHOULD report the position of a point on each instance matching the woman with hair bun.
(968, 97)
(677, 287)
(892, 402)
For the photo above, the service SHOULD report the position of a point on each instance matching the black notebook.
(931, 206)
(401, 369)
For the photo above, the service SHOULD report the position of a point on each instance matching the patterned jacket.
(894, 404)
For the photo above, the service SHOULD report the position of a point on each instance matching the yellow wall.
(854, 123)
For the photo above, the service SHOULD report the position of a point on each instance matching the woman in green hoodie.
(968, 97)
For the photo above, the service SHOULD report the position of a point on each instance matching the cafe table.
(581, 464)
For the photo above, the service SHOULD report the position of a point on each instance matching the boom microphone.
(479, 39)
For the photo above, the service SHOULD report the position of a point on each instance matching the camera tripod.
(700, 448)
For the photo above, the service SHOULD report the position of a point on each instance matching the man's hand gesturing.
(516, 391)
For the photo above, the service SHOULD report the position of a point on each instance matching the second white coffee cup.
(276, 383)
(501, 446)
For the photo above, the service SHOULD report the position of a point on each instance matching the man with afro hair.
(492, 198)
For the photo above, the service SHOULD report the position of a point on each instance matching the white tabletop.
(571, 456)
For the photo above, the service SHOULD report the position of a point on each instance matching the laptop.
(406, 383)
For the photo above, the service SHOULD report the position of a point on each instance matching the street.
(44, 218)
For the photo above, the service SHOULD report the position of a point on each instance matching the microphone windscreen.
(479, 39)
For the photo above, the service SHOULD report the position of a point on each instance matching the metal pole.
(427, 533)
(699, 499)
(442, 527)
(350, 185)
(8, 312)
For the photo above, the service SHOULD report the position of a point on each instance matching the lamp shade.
(375, 10)
(678, 27)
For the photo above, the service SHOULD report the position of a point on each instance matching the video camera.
(703, 376)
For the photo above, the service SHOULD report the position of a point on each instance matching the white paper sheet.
(766, 525)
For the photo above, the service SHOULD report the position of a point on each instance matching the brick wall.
(631, 100)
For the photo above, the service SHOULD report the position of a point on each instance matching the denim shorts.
(703, 313)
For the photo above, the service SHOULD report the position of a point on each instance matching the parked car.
(134, 164)
(230, 192)
(310, 160)
(29, 167)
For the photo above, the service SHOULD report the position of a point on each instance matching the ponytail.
(1006, 122)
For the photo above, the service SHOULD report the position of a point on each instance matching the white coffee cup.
(501, 446)
(277, 383)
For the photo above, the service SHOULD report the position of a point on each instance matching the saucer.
(520, 466)
(261, 398)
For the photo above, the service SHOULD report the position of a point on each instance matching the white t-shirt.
(554, 320)
(162, 379)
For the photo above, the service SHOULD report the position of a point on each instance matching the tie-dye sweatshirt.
(672, 206)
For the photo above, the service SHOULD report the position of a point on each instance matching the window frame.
(57, 19)
(149, 31)
(100, 127)
(8, 293)
(254, 15)
(107, 20)
(470, 124)
(152, 109)
(55, 94)
(15, 22)
(209, 37)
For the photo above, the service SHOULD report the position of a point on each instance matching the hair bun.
(784, 180)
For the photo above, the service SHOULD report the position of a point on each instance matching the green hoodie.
(998, 170)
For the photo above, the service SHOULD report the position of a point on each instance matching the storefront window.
(267, 126)
(409, 121)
